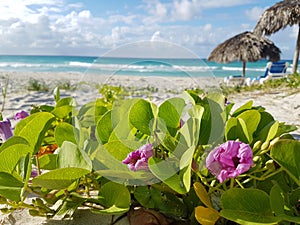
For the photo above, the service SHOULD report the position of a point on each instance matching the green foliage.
(289, 83)
(86, 169)
(37, 85)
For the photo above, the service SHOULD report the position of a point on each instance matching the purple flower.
(138, 160)
(21, 115)
(5, 130)
(229, 160)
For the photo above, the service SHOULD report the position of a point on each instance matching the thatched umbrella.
(277, 17)
(245, 47)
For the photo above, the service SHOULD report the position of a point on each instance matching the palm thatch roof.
(278, 17)
(245, 47)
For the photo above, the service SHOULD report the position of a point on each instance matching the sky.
(95, 27)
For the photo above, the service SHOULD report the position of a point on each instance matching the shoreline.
(156, 88)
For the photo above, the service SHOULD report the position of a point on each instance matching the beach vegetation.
(291, 83)
(65, 85)
(192, 159)
(37, 85)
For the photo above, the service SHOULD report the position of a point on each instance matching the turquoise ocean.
(130, 66)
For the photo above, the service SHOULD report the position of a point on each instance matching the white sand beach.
(283, 106)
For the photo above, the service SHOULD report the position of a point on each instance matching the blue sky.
(89, 27)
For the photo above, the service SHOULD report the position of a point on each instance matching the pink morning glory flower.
(229, 160)
(21, 115)
(138, 160)
(5, 130)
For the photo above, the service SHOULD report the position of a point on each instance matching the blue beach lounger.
(273, 70)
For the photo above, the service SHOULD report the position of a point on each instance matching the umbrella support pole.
(296, 54)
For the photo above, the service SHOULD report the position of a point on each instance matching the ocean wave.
(227, 68)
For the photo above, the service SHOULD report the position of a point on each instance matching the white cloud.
(185, 9)
(52, 27)
(254, 13)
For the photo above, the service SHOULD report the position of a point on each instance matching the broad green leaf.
(104, 128)
(48, 161)
(171, 110)
(65, 132)
(251, 119)
(165, 202)
(70, 156)
(33, 128)
(202, 194)
(273, 131)
(141, 116)
(59, 178)
(10, 187)
(277, 200)
(62, 111)
(242, 131)
(148, 197)
(169, 172)
(231, 129)
(247, 206)
(66, 101)
(218, 118)
(265, 132)
(266, 119)
(115, 198)
(12, 151)
(246, 106)
(206, 216)
(236, 128)
(287, 154)
(121, 148)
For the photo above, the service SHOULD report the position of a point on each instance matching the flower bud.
(257, 146)
(274, 141)
(265, 145)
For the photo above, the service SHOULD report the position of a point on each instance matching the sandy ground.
(283, 106)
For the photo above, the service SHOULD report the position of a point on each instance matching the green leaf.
(33, 128)
(277, 200)
(10, 187)
(247, 206)
(48, 161)
(287, 154)
(170, 173)
(170, 111)
(165, 202)
(62, 111)
(104, 128)
(202, 194)
(12, 151)
(59, 178)
(65, 132)
(115, 198)
(251, 119)
(246, 106)
(56, 94)
(141, 116)
(121, 148)
(217, 113)
(70, 156)
(236, 128)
